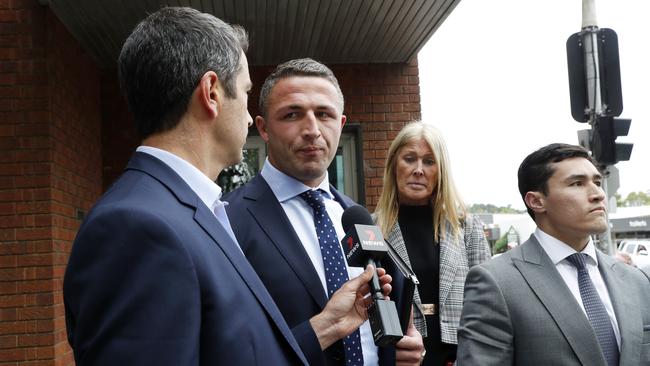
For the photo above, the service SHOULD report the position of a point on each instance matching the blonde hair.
(447, 203)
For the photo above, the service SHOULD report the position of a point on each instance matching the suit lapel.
(212, 227)
(450, 258)
(396, 240)
(540, 273)
(269, 214)
(208, 222)
(344, 201)
(626, 308)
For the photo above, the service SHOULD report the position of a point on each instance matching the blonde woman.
(421, 214)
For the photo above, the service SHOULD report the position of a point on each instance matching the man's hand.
(347, 309)
(409, 351)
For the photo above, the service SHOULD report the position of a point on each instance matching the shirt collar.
(207, 190)
(558, 250)
(286, 187)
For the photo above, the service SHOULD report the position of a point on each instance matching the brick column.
(383, 98)
(50, 173)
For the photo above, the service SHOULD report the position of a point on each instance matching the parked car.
(639, 250)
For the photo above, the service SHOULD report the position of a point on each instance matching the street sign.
(609, 71)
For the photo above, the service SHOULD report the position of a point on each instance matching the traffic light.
(604, 147)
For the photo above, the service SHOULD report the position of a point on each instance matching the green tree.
(634, 199)
(490, 208)
(501, 245)
(619, 199)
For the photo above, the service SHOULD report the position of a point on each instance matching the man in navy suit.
(156, 276)
(302, 107)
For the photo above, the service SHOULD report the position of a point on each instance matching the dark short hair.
(536, 169)
(164, 58)
(297, 67)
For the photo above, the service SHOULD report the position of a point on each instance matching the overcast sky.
(494, 80)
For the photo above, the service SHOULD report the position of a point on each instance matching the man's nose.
(310, 126)
(598, 193)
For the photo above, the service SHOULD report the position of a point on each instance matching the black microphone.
(364, 244)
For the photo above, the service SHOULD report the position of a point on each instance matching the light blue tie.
(335, 269)
(595, 310)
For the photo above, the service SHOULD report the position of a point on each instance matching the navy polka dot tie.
(335, 269)
(595, 310)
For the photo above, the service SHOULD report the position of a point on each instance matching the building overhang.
(331, 31)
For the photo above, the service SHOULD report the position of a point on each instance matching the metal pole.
(594, 101)
(592, 71)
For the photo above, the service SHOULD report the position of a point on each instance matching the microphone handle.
(382, 315)
(375, 287)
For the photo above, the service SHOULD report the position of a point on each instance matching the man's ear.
(343, 119)
(260, 123)
(535, 201)
(208, 93)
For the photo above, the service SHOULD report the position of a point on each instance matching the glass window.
(345, 172)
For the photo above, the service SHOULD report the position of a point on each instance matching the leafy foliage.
(633, 199)
(501, 245)
(236, 176)
(490, 208)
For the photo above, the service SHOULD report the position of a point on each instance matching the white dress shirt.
(558, 252)
(287, 190)
(208, 191)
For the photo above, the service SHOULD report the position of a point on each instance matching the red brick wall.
(382, 98)
(77, 162)
(119, 137)
(50, 171)
(64, 126)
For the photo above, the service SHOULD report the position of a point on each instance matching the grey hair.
(165, 57)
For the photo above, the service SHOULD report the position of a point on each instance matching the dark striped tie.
(595, 310)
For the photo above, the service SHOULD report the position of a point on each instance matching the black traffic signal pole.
(596, 97)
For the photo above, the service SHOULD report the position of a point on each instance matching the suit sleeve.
(308, 343)
(485, 334)
(131, 293)
(477, 247)
(241, 221)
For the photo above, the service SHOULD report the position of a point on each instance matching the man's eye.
(291, 115)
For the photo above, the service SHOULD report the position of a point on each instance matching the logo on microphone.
(371, 238)
(350, 242)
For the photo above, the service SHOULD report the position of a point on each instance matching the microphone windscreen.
(354, 215)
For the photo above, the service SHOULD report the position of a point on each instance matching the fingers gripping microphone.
(364, 244)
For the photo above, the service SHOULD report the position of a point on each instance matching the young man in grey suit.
(556, 299)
